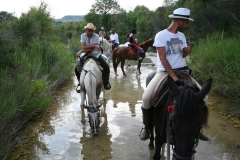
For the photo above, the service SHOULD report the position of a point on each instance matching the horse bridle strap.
(183, 158)
(171, 138)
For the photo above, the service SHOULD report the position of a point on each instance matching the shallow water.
(62, 135)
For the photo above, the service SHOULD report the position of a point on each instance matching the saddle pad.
(96, 61)
(162, 87)
(159, 90)
(131, 50)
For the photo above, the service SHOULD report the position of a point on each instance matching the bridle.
(101, 45)
(171, 140)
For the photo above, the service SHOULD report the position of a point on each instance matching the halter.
(101, 44)
(170, 137)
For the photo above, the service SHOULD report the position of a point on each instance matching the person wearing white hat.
(102, 33)
(89, 42)
(171, 48)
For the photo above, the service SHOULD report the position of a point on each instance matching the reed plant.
(218, 56)
(27, 89)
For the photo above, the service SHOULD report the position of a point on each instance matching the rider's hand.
(187, 49)
(78, 54)
(98, 48)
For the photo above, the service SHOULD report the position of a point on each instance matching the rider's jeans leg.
(105, 66)
(150, 88)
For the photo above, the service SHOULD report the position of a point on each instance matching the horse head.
(186, 115)
(94, 116)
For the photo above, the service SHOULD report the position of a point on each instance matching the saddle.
(88, 56)
(161, 89)
(132, 49)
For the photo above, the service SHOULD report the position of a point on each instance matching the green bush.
(218, 57)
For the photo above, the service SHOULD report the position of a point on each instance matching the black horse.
(183, 110)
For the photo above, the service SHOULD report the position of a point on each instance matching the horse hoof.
(151, 146)
(83, 120)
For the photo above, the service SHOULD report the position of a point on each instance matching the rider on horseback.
(114, 38)
(172, 48)
(133, 43)
(89, 41)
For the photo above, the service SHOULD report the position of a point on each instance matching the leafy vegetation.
(33, 66)
(36, 52)
(217, 56)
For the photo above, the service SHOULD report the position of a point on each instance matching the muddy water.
(62, 134)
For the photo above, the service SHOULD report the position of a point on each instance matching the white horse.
(91, 85)
(107, 48)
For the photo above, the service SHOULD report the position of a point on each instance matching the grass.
(218, 57)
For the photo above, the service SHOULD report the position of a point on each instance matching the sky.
(60, 8)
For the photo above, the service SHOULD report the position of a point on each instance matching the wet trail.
(62, 135)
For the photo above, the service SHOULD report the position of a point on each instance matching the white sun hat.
(181, 13)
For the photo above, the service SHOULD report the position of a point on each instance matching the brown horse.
(122, 53)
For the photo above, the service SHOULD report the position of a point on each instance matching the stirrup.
(144, 134)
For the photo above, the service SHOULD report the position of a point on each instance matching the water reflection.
(61, 134)
(126, 90)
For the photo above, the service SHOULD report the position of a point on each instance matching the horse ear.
(98, 106)
(84, 106)
(205, 89)
(172, 86)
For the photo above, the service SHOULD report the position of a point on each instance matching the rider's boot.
(105, 78)
(78, 70)
(144, 135)
(203, 137)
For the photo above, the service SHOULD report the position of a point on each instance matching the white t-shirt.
(93, 40)
(114, 37)
(174, 44)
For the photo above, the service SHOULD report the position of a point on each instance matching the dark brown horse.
(122, 53)
(179, 116)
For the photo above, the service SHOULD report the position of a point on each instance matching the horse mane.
(185, 108)
(146, 44)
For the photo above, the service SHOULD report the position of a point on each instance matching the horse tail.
(114, 57)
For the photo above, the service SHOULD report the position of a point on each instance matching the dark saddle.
(161, 90)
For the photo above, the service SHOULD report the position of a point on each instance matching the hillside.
(69, 18)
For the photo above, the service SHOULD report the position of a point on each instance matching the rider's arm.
(87, 49)
(162, 54)
(186, 50)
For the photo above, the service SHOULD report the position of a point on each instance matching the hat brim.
(89, 28)
(180, 17)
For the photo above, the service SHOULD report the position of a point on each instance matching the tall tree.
(105, 8)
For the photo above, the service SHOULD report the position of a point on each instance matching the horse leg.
(82, 115)
(83, 97)
(109, 58)
(151, 143)
(158, 146)
(122, 66)
(115, 67)
(138, 67)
